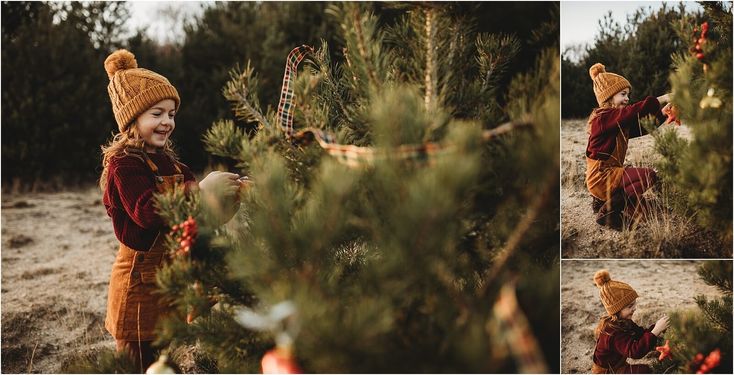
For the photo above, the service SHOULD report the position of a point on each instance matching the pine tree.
(427, 249)
(699, 171)
(700, 340)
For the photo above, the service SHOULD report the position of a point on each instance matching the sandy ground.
(57, 253)
(663, 286)
(664, 235)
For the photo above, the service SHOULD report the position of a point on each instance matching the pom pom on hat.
(119, 60)
(596, 69)
(601, 277)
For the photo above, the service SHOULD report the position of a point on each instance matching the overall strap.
(175, 165)
(154, 168)
(151, 165)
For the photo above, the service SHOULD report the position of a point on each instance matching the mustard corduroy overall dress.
(133, 309)
(605, 176)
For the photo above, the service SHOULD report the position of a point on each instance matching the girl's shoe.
(610, 212)
(612, 220)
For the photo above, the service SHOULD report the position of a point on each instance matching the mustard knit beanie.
(615, 295)
(133, 90)
(606, 84)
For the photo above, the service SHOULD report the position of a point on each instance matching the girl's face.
(156, 124)
(628, 311)
(621, 98)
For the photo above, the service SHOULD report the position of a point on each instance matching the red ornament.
(279, 361)
(672, 113)
(664, 350)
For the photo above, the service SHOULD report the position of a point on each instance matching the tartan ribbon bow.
(285, 106)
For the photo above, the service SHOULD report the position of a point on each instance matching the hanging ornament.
(160, 366)
(282, 320)
(189, 229)
(279, 361)
(672, 113)
(664, 350)
(710, 101)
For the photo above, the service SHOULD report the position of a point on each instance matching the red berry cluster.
(708, 363)
(189, 230)
(697, 50)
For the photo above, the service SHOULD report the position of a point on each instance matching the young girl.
(610, 127)
(617, 336)
(138, 162)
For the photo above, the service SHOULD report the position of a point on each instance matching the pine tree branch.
(518, 233)
(238, 92)
(243, 109)
(505, 128)
(362, 49)
(430, 76)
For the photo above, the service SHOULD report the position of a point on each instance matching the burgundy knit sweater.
(604, 128)
(129, 198)
(614, 346)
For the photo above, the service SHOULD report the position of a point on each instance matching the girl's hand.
(224, 183)
(664, 98)
(661, 325)
(220, 193)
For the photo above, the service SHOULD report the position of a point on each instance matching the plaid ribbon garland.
(355, 156)
(285, 106)
(516, 332)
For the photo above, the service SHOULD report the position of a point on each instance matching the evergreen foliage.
(694, 335)
(394, 266)
(699, 171)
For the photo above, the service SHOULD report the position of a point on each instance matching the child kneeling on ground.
(613, 186)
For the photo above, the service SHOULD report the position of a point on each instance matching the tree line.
(640, 51)
(56, 112)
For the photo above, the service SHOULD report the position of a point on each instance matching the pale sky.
(163, 19)
(580, 19)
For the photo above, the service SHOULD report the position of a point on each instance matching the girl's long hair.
(615, 323)
(128, 142)
(605, 106)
